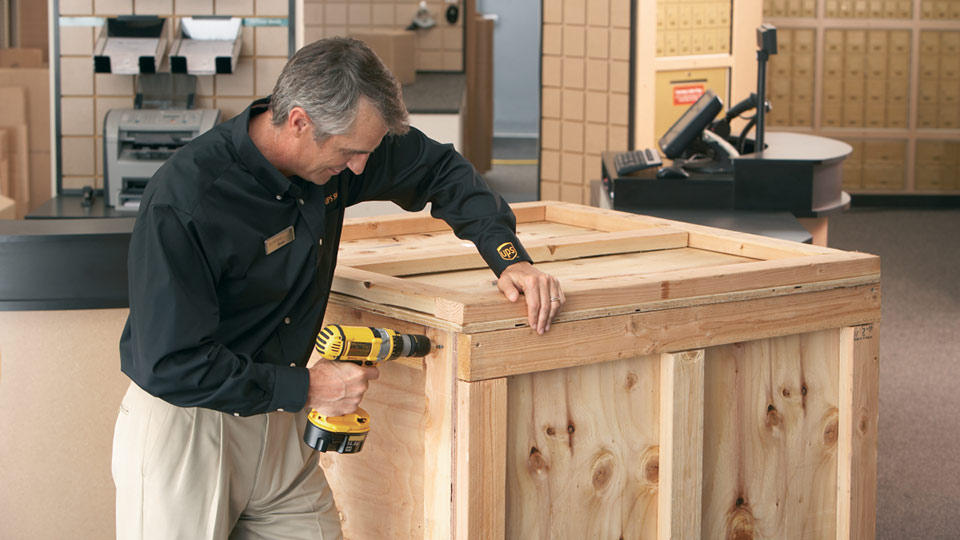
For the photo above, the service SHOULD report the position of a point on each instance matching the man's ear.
(299, 122)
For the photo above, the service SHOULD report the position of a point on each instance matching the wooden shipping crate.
(699, 383)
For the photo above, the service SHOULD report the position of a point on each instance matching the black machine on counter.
(710, 169)
(138, 141)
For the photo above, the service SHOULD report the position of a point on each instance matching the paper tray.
(131, 44)
(206, 46)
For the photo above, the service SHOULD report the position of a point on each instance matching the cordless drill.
(365, 346)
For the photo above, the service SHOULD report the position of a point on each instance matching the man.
(230, 266)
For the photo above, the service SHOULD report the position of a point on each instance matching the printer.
(137, 141)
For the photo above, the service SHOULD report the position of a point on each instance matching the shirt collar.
(266, 174)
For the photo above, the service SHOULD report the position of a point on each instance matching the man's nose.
(357, 163)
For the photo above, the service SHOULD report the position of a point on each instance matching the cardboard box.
(36, 82)
(8, 208)
(21, 58)
(31, 25)
(396, 48)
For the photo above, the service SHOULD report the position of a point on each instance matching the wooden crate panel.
(582, 459)
(771, 406)
(697, 384)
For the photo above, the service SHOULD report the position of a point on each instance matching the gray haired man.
(230, 266)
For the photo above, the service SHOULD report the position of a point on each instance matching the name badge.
(278, 240)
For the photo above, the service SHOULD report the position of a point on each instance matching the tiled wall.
(439, 48)
(85, 96)
(586, 91)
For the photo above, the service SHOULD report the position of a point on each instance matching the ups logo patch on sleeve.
(507, 251)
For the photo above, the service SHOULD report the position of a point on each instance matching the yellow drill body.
(365, 346)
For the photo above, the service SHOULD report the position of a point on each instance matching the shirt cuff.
(499, 254)
(290, 389)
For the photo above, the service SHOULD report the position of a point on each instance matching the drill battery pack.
(342, 434)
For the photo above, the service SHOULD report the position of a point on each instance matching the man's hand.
(542, 291)
(336, 388)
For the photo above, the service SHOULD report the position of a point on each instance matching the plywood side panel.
(859, 406)
(391, 466)
(582, 456)
(770, 440)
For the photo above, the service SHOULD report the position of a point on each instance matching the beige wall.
(438, 49)
(586, 91)
(87, 96)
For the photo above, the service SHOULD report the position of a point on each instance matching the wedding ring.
(555, 299)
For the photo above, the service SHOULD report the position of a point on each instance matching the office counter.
(63, 297)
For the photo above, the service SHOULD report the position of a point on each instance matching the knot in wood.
(603, 465)
(774, 418)
(650, 465)
(536, 463)
(831, 433)
(741, 524)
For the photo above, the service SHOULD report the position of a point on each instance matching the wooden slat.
(464, 257)
(756, 247)
(395, 291)
(596, 218)
(737, 243)
(390, 225)
(438, 441)
(414, 223)
(681, 445)
(509, 352)
(481, 459)
(637, 290)
(857, 445)
(531, 211)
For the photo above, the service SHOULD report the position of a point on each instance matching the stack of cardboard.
(24, 128)
(8, 207)
(396, 49)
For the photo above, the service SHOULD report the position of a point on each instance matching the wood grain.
(681, 445)
(481, 459)
(391, 467)
(859, 406)
(770, 438)
(510, 352)
(582, 459)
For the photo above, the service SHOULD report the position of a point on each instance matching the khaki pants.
(196, 473)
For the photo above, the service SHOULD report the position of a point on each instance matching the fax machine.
(138, 141)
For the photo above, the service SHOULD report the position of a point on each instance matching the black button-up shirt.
(223, 315)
